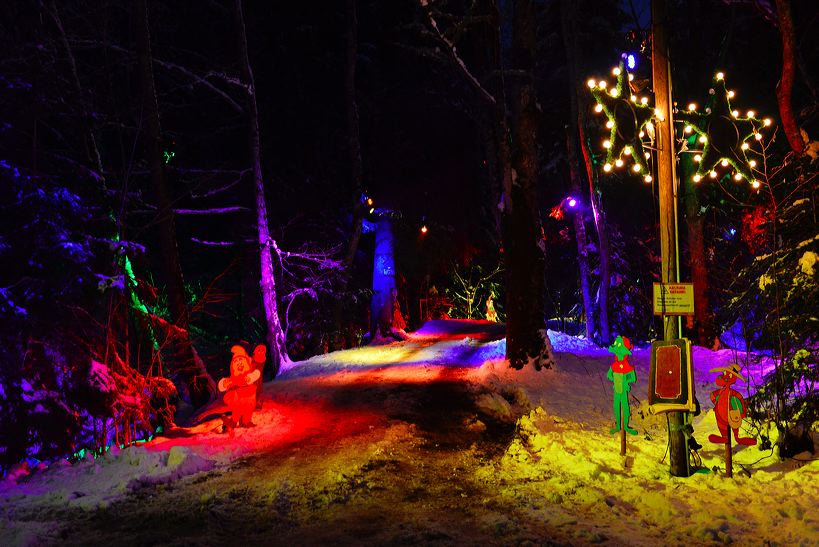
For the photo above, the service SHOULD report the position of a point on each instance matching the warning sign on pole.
(673, 299)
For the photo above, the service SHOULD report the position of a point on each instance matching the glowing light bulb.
(755, 183)
(627, 150)
(644, 100)
(697, 158)
(724, 163)
(602, 84)
(598, 108)
(641, 134)
(372, 210)
(692, 106)
(703, 139)
(731, 94)
(767, 122)
(751, 113)
(630, 77)
(369, 201)
(606, 144)
(697, 178)
(634, 98)
(738, 176)
(658, 113)
(591, 83)
(735, 113)
(607, 167)
(758, 136)
(688, 129)
(720, 75)
(619, 162)
(636, 168)
(647, 155)
(648, 178)
(616, 71)
(712, 174)
(614, 92)
(745, 146)
(752, 163)
(572, 202)
(424, 229)
(609, 124)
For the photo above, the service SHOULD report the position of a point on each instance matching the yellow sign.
(673, 299)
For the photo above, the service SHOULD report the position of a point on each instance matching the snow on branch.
(213, 211)
(453, 53)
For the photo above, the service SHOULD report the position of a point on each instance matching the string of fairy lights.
(725, 136)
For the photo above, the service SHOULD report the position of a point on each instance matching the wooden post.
(667, 183)
(729, 457)
(623, 441)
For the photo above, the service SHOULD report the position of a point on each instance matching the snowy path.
(432, 440)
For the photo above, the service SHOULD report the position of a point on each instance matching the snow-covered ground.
(352, 447)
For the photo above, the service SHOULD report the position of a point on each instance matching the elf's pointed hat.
(627, 343)
(239, 351)
(733, 368)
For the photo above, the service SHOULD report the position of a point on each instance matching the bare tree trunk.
(595, 199)
(568, 13)
(785, 86)
(275, 334)
(526, 339)
(695, 223)
(189, 368)
(351, 51)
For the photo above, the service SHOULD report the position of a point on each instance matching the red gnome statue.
(240, 388)
(729, 406)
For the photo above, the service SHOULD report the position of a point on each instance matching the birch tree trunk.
(275, 334)
(188, 368)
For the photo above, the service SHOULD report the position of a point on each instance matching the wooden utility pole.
(667, 185)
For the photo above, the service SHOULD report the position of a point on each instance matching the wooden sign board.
(673, 299)
(671, 377)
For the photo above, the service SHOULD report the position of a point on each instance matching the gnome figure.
(622, 374)
(491, 314)
(240, 388)
(259, 358)
(729, 406)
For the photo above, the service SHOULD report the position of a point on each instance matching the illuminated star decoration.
(723, 134)
(627, 117)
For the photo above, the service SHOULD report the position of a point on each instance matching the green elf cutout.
(622, 374)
